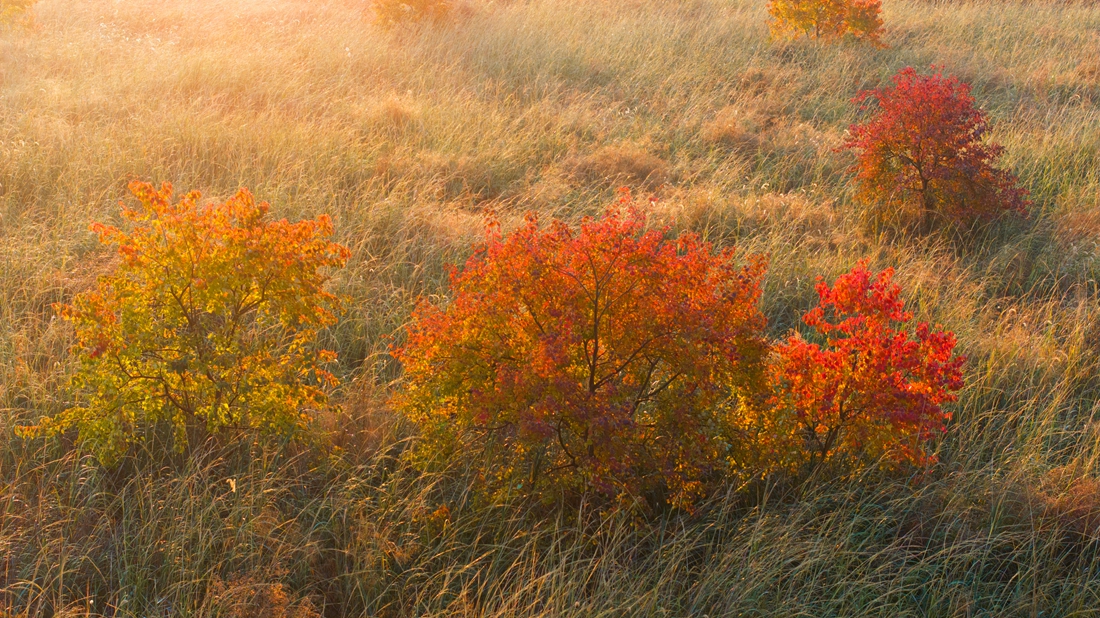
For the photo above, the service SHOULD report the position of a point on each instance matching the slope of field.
(405, 137)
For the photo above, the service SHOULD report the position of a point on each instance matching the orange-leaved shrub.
(206, 325)
(921, 158)
(392, 12)
(603, 358)
(862, 387)
(827, 19)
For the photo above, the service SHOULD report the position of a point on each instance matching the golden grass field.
(405, 137)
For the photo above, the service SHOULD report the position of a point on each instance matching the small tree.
(921, 157)
(602, 358)
(207, 324)
(827, 19)
(867, 389)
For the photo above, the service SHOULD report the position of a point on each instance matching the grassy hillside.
(405, 137)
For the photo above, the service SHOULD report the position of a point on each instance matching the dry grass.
(618, 165)
(405, 136)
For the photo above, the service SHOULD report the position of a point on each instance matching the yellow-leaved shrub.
(206, 326)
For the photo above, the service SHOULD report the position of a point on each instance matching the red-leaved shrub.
(827, 19)
(921, 159)
(606, 358)
(865, 388)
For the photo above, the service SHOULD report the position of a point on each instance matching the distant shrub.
(207, 324)
(604, 358)
(921, 158)
(865, 388)
(392, 12)
(16, 12)
(827, 19)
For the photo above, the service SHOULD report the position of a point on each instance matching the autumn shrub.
(862, 388)
(603, 358)
(392, 12)
(921, 158)
(16, 12)
(827, 19)
(206, 325)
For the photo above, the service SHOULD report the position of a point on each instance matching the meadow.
(406, 137)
